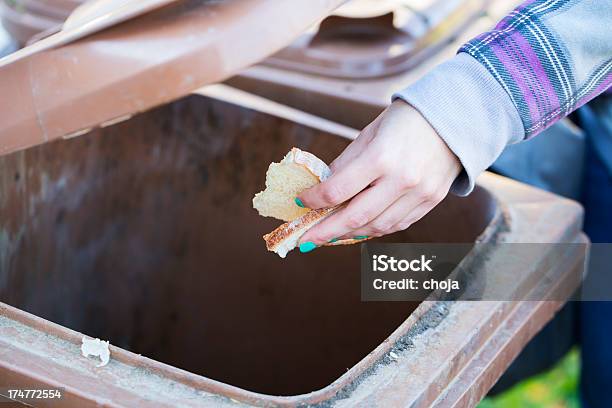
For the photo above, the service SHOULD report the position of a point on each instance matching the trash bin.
(142, 233)
(134, 224)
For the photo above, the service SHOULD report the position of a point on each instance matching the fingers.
(385, 222)
(359, 212)
(344, 184)
(418, 213)
(349, 154)
(355, 148)
(407, 210)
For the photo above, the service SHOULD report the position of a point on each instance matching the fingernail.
(331, 241)
(360, 237)
(299, 202)
(307, 247)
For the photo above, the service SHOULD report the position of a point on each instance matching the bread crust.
(348, 241)
(291, 232)
(306, 221)
(312, 163)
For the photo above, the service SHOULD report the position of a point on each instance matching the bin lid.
(367, 39)
(114, 59)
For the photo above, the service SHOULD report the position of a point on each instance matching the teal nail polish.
(307, 247)
(360, 237)
(299, 202)
(331, 241)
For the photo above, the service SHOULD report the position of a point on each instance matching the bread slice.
(285, 238)
(298, 171)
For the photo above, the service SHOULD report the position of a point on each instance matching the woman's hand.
(394, 173)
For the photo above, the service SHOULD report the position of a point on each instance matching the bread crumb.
(96, 348)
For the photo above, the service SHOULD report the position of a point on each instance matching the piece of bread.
(297, 172)
(285, 238)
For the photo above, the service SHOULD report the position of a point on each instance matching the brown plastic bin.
(142, 233)
(26, 19)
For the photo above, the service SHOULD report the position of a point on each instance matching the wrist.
(470, 111)
(446, 160)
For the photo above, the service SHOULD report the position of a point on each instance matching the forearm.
(470, 111)
(539, 64)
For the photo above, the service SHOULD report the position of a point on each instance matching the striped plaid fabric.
(550, 56)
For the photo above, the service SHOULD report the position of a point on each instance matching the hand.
(394, 173)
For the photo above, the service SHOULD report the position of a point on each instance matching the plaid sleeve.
(549, 56)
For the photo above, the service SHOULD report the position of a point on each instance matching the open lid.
(109, 63)
(367, 39)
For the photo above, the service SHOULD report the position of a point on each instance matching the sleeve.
(540, 63)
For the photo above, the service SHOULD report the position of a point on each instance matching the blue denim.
(596, 317)
(588, 323)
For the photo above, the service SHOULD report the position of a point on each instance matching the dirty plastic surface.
(143, 234)
(59, 87)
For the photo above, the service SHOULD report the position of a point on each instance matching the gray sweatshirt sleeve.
(470, 111)
(540, 63)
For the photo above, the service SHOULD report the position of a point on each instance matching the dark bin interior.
(143, 234)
